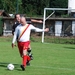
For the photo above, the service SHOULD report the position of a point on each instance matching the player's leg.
(29, 52)
(25, 56)
(24, 60)
(20, 49)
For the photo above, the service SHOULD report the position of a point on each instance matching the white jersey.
(26, 35)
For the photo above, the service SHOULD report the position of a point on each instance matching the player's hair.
(21, 15)
(15, 15)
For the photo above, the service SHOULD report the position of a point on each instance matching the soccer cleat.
(28, 63)
(22, 67)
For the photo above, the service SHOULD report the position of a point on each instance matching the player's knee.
(29, 50)
(24, 52)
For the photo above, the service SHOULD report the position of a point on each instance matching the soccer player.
(22, 35)
(17, 22)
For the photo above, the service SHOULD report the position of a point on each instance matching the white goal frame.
(45, 18)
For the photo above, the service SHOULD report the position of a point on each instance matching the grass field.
(49, 59)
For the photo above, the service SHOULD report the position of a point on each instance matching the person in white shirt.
(22, 35)
(29, 21)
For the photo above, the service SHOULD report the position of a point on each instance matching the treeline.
(31, 7)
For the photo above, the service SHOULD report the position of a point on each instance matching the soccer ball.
(10, 67)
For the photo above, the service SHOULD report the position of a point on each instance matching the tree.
(7, 5)
(10, 5)
(34, 7)
(31, 7)
(59, 4)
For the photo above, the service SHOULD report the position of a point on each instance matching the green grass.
(49, 59)
(54, 39)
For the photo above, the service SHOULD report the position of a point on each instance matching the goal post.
(45, 16)
(43, 25)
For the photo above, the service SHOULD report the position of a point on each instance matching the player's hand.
(47, 29)
(13, 45)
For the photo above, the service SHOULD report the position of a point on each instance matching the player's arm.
(38, 21)
(38, 29)
(13, 29)
(14, 37)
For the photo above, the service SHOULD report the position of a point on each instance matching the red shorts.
(23, 46)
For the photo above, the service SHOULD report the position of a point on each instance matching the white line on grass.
(53, 68)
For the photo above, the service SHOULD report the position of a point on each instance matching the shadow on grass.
(70, 47)
(17, 66)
